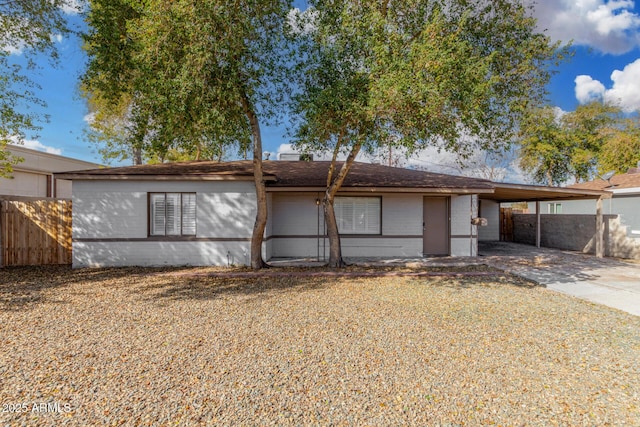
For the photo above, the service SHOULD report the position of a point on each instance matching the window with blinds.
(358, 215)
(172, 214)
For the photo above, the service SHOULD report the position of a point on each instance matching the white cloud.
(626, 87)
(302, 22)
(609, 26)
(624, 92)
(37, 145)
(73, 7)
(587, 89)
(89, 118)
(13, 50)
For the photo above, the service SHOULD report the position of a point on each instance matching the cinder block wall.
(575, 233)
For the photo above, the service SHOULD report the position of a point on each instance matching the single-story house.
(202, 213)
(34, 175)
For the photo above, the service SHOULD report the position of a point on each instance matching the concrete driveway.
(606, 281)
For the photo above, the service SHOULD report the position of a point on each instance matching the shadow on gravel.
(22, 288)
(471, 282)
(212, 287)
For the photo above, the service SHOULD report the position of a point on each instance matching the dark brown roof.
(366, 175)
(625, 180)
(287, 174)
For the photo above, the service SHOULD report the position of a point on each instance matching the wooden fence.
(506, 225)
(35, 232)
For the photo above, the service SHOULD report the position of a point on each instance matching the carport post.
(537, 223)
(599, 229)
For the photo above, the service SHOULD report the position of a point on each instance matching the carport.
(514, 193)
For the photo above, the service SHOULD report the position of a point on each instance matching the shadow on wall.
(159, 254)
(111, 229)
(620, 245)
(35, 231)
(617, 242)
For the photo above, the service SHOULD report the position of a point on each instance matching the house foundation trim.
(161, 239)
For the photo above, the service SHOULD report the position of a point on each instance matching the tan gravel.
(146, 347)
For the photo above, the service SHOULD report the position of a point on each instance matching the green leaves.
(186, 67)
(460, 76)
(593, 139)
(621, 148)
(27, 27)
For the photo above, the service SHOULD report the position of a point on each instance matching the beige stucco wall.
(298, 227)
(30, 176)
(110, 224)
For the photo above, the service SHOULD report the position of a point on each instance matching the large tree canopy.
(621, 148)
(459, 75)
(558, 147)
(27, 27)
(189, 75)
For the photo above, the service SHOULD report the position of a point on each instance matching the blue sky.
(606, 65)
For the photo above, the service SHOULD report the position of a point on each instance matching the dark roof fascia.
(532, 193)
(122, 177)
(430, 190)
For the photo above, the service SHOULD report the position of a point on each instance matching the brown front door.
(435, 226)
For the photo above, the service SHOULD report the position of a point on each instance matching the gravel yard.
(151, 347)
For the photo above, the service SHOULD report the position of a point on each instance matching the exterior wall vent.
(295, 157)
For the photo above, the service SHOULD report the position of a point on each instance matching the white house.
(33, 177)
(202, 213)
(625, 200)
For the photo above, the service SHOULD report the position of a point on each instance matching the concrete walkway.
(606, 281)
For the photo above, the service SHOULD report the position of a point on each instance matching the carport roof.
(530, 193)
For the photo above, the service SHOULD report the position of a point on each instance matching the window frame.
(355, 233)
(182, 233)
(554, 208)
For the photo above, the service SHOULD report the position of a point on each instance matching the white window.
(554, 208)
(172, 214)
(358, 215)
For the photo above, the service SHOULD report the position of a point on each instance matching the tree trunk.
(335, 248)
(333, 185)
(260, 224)
(137, 155)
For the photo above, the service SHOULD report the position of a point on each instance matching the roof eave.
(190, 177)
(531, 193)
(351, 189)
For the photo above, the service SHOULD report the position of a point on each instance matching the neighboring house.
(202, 213)
(625, 200)
(33, 177)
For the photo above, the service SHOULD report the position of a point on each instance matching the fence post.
(599, 229)
(538, 231)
